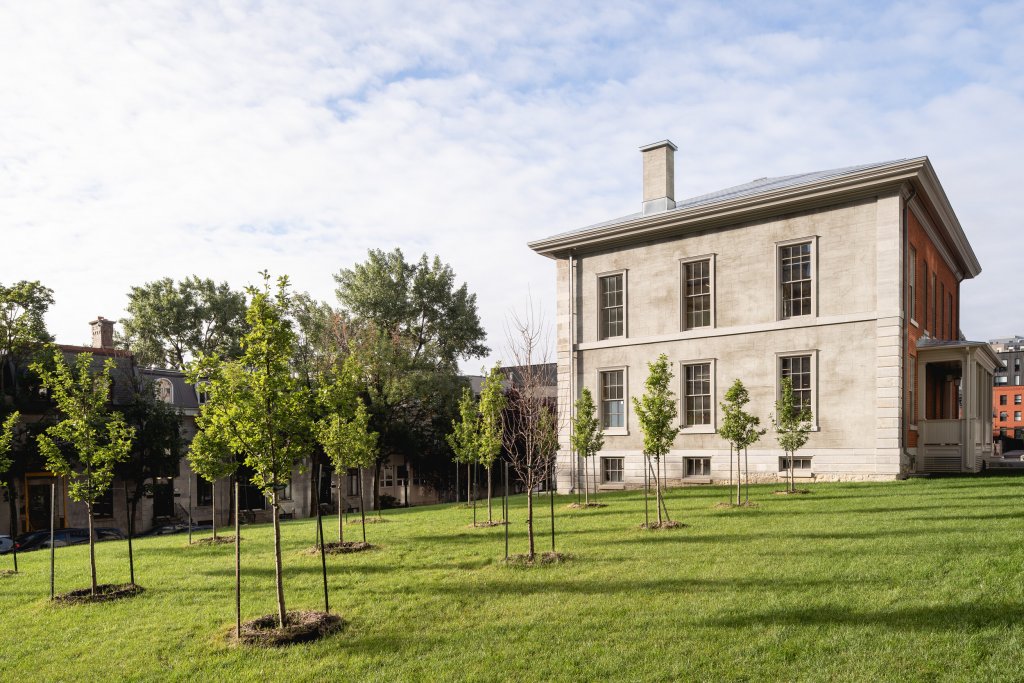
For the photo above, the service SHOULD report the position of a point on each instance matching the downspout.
(575, 469)
(905, 332)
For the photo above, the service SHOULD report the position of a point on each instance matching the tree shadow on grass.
(952, 617)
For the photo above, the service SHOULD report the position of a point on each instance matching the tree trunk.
(475, 472)
(647, 474)
(586, 483)
(130, 509)
(238, 568)
(362, 507)
(746, 475)
(738, 477)
(657, 487)
(213, 506)
(490, 518)
(341, 514)
(282, 618)
(92, 548)
(529, 520)
(469, 483)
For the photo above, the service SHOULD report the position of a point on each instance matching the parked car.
(167, 529)
(6, 544)
(37, 540)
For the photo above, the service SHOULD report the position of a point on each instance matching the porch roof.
(946, 344)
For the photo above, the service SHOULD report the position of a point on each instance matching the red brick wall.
(1009, 391)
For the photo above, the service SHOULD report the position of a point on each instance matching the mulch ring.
(220, 540)
(377, 520)
(790, 493)
(523, 560)
(667, 524)
(105, 592)
(730, 506)
(583, 506)
(485, 525)
(301, 627)
(340, 548)
(8, 572)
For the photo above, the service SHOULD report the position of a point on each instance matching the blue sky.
(142, 140)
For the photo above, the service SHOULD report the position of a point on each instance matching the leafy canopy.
(97, 436)
(656, 409)
(587, 437)
(170, 324)
(6, 436)
(158, 445)
(739, 427)
(23, 307)
(348, 442)
(791, 420)
(257, 407)
(492, 403)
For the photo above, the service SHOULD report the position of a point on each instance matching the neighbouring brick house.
(1008, 392)
(845, 280)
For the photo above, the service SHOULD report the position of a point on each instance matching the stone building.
(845, 280)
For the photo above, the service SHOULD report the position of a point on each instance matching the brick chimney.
(659, 177)
(102, 333)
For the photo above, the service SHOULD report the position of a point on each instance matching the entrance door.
(163, 499)
(38, 517)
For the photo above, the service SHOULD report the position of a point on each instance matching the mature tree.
(90, 439)
(158, 445)
(23, 334)
(656, 410)
(529, 423)
(258, 407)
(792, 423)
(6, 436)
(348, 442)
(210, 456)
(739, 427)
(411, 326)
(170, 324)
(587, 437)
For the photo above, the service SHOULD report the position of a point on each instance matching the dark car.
(6, 544)
(166, 529)
(37, 540)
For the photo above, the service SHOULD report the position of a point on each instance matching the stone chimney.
(102, 333)
(659, 177)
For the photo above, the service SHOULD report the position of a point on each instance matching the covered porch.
(954, 405)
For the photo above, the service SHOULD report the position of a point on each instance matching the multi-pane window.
(613, 402)
(613, 308)
(204, 492)
(1002, 399)
(1016, 399)
(799, 464)
(949, 319)
(388, 475)
(698, 467)
(353, 481)
(104, 505)
(941, 327)
(611, 470)
(697, 394)
(1016, 416)
(795, 275)
(912, 390)
(697, 293)
(1002, 416)
(931, 306)
(798, 368)
(912, 283)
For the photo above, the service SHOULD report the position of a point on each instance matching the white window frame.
(813, 353)
(798, 472)
(912, 285)
(813, 240)
(912, 392)
(621, 470)
(387, 474)
(625, 303)
(159, 385)
(696, 477)
(624, 429)
(710, 258)
(698, 429)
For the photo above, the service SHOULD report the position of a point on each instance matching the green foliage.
(348, 442)
(656, 409)
(158, 444)
(465, 436)
(492, 403)
(170, 324)
(257, 407)
(739, 427)
(98, 437)
(587, 437)
(792, 421)
(23, 308)
(6, 436)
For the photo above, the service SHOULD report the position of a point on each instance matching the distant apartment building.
(846, 281)
(1008, 390)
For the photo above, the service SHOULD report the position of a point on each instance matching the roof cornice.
(735, 210)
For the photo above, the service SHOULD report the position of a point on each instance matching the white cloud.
(152, 139)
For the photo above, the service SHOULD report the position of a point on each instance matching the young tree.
(492, 404)
(170, 324)
(656, 410)
(348, 442)
(23, 334)
(792, 423)
(6, 436)
(739, 427)
(529, 423)
(465, 439)
(258, 407)
(587, 438)
(98, 436)
(210, 456)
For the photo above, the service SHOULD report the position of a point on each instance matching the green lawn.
(916, 580)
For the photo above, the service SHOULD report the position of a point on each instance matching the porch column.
(967, 410)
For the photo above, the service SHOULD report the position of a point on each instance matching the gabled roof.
(768, 197)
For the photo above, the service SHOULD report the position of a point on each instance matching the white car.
(6, 543)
